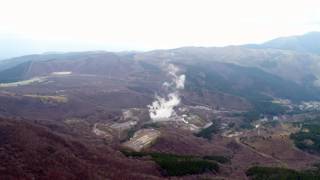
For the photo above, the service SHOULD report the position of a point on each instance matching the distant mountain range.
(287, 68)
(251, 73)
(12, 46)
(307, 43)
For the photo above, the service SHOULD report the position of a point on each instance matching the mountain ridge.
(306, 43)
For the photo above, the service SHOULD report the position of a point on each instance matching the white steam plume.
(162, 109)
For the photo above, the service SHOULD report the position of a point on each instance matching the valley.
(186, 113)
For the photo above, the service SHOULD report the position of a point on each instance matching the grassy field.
(23, 83)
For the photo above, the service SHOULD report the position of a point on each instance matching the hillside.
(32, 151)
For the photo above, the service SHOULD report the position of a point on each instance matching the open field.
(47, 99)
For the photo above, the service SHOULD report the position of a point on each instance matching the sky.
(71, 25)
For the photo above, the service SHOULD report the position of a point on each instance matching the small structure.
(142, 139)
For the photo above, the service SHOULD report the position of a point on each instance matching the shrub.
(219, 159)
(312, 135)
(207, 132)
(178, 165)
(276, 173)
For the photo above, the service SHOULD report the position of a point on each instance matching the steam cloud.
(163, 107)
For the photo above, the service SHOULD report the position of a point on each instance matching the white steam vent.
(162, 109)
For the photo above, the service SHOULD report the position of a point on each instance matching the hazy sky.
(150, 24)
